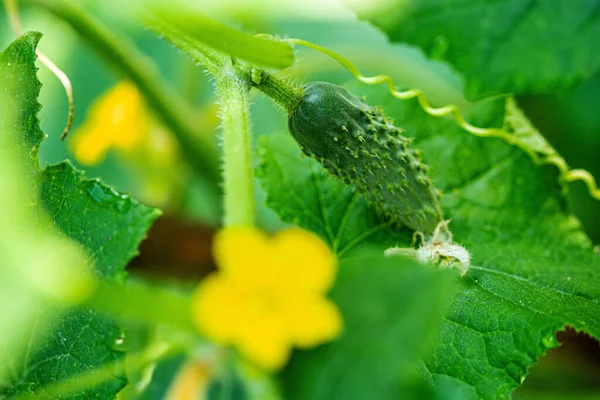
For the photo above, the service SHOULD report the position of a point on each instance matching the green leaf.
(515, 46)
(20, 297)
(107, 225)
(385, 332)
(186, 27)
(18, 74)
(533, 269)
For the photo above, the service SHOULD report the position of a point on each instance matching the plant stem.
(128, 60)
(147, 304)
(238, 171)
(285, 93)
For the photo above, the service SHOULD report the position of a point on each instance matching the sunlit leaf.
(186, 24)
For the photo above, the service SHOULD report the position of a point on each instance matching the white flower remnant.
(439, 248)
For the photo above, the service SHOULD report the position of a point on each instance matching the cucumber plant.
(365, 166)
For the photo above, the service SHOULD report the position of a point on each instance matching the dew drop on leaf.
(98, 193)
(123, 203)
(549, 342)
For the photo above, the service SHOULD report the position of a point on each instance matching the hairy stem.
(287, 94)
(128, 60)
(238, 177)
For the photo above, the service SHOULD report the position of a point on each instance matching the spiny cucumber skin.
(358, 144)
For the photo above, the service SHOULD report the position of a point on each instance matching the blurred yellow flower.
(117, 120)
(120, 120)
(269, 294)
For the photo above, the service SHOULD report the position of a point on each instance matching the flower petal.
(245, 254)
(267, 351)
(117, 119)
(216, 309)
(125, 114)
(312, 321)
(89, 145)
(306, 260)
(269, 294)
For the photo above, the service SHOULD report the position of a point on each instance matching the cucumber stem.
(287, 94)
(238, 174)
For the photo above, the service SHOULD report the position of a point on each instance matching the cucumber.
(358, 144)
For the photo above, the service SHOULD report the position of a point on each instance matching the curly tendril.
(566, 174)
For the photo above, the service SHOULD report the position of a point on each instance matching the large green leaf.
(107, 225)
(533, 269)
(513, 46)
(24, 286)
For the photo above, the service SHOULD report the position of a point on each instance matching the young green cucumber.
(358, 144)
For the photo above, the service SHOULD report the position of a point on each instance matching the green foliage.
(516, 46)
(26, 286)
(124, 57)
(533, 268)
(410, 331)
(18, 71)
(358, 144)
(106, 224)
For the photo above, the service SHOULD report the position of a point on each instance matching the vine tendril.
(566, 174)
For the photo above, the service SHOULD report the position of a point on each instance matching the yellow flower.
(269, 294)
(117, 120)
(120, 120)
